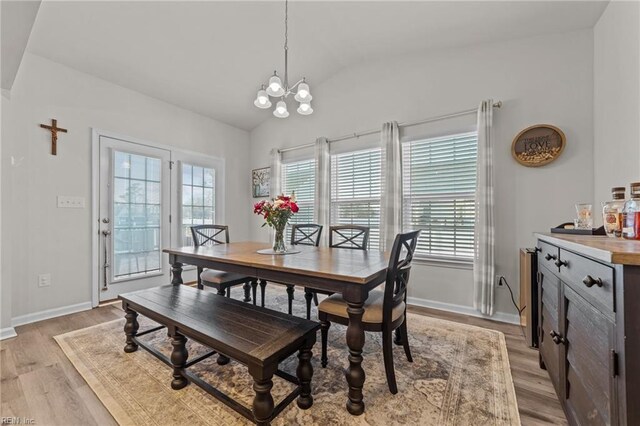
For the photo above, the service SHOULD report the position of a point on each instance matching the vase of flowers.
(276, 214)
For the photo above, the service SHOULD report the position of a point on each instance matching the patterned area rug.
(460, 376)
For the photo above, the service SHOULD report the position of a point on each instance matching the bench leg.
(130, 329)
(308, 297)
(263, 405)
(247, 292)
(263, 286)
(222, 360)
(305, 373)
(290, 290)
(179, 357)
(254, 288)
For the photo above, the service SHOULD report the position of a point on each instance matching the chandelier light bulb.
(303, 94)
(262, 100)
(305, 108)
(275, 88)
(281, 110)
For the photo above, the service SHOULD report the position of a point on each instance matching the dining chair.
(208, 235)
(384, 311)
(353, 237)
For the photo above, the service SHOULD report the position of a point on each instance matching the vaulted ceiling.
(210, 57)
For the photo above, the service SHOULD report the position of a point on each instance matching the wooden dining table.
(352, 273)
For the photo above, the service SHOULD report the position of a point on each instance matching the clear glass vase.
(278, 240)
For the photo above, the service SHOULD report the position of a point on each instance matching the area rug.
(460, 376)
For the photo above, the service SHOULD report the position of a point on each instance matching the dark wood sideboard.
(589, 326)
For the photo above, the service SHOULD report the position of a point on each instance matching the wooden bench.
(256, 337)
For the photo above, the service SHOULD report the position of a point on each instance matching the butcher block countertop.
(599, 247)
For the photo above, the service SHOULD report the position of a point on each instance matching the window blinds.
(300, 176)
(439, 183)
(355, 191)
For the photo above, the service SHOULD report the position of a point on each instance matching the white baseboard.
(50, 313)
(7, 333)
(462, 309)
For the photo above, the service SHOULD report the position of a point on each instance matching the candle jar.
(585, 218)
(612, 213)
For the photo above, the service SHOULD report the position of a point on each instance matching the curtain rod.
(374, 131)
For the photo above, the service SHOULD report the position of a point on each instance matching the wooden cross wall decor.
(54, 129)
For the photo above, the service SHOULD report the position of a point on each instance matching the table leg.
(247, 291)
(355, 373)
(176, 269)
(130, 329)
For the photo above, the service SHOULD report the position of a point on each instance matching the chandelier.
(279, 89)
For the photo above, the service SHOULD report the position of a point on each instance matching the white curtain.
(483, 262)
(276, 172)
(322, 212)
(391, 203)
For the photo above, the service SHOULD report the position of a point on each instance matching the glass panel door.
(134, 216)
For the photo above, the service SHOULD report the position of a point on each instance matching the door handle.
(550, 256)
(105, 266)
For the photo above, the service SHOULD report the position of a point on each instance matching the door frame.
(217, 162)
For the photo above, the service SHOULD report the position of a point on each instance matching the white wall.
(546, 79)
(37, 237)
(616, 99)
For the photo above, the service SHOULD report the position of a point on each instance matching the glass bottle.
(612, 212)
(631, 214)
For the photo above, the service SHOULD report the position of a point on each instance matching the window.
(439, 184)
(198, 199)
(300, 177)
(355, 191)
(136, 214)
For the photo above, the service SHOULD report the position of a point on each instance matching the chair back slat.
(208, 235)
(353, 237)
(307, 234)
(395, 291)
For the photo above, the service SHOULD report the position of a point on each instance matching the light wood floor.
(39, 382)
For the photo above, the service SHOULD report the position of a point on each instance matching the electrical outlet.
(67, 202)
(44, 280)
(499, 281)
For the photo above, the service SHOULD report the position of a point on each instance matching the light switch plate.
(68, 202)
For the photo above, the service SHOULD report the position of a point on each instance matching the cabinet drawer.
(591, 280)
(548, 255)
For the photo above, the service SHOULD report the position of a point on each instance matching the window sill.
(443, 263)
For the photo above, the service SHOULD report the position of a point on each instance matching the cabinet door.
(588, 347)
(549, 296)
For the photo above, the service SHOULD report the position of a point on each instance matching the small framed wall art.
(260, 180)
(538, 145)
